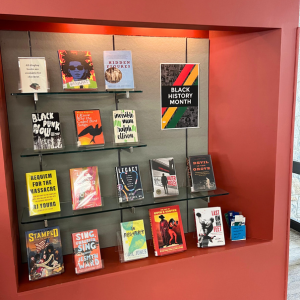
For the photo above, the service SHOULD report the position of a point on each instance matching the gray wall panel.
(148, 53)
(198, 52)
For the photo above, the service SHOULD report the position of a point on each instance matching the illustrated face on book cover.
(168, 230)
(77, 66)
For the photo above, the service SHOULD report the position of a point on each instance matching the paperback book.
(202, 174)
(129, 183)
(167, 230)
(133, 240)
(118, 71)
(89, 127)
(44, 253)
(125, 129)
(209, 226)
(46, 131)
(77, 69)
(87, 256)
(164, 178)
(33, 74)
(42, 192)
(85, 188)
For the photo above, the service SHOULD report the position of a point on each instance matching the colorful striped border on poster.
(179, 96)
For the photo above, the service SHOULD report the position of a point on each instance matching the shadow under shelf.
(112, 204)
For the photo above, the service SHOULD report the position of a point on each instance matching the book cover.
(33, 74)
(118, 71)
(85, 188)
(129, 183)
(77, 69)
(202, 173)
(125, 129)
(44, 253)
(42, 192)
(46, 131)
(134, 240)
(164, 178)
(209, 226)
(88, 127)
(179, 96)
(87, 256)
(167, 230)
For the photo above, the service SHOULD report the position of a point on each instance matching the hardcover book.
(125, 129)
(129, 183)
(179, 96)
(33, 74)
(118, 70)
(42, 192)
(164, 178)
(134, 240)
(46, 131)
(202, 174)
(77, 69)
(89, 127)
(44, 253)
(87, 256)
(209, 226)
(85, 188)
(167, 230)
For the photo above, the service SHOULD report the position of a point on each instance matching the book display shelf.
(232, 130)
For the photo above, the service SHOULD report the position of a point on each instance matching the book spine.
(151, 225)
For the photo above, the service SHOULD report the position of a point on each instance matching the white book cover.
(118, 71)
(125, 129)
(209, 226)
(33, 74)
(134, 240)
(164, 178)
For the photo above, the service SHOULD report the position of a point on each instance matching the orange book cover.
(88, 127)
(167, 230)
(87, 256)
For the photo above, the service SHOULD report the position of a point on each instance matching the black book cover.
(202, 173)
(129, 183)
(46, 131)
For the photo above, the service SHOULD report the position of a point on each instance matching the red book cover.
(167, 230)
(85, 188)
(88, 127)
(87, 256)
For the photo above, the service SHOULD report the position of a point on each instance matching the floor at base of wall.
(294, 266)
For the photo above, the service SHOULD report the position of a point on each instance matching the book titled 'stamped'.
(44, 253)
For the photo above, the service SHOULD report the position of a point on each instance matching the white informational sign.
(118, 72)
(33, 75)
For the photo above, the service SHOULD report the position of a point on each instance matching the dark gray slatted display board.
(147, 53)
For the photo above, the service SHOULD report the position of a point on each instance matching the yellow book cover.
(42, 192)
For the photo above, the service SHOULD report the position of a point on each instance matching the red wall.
(261, 99)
